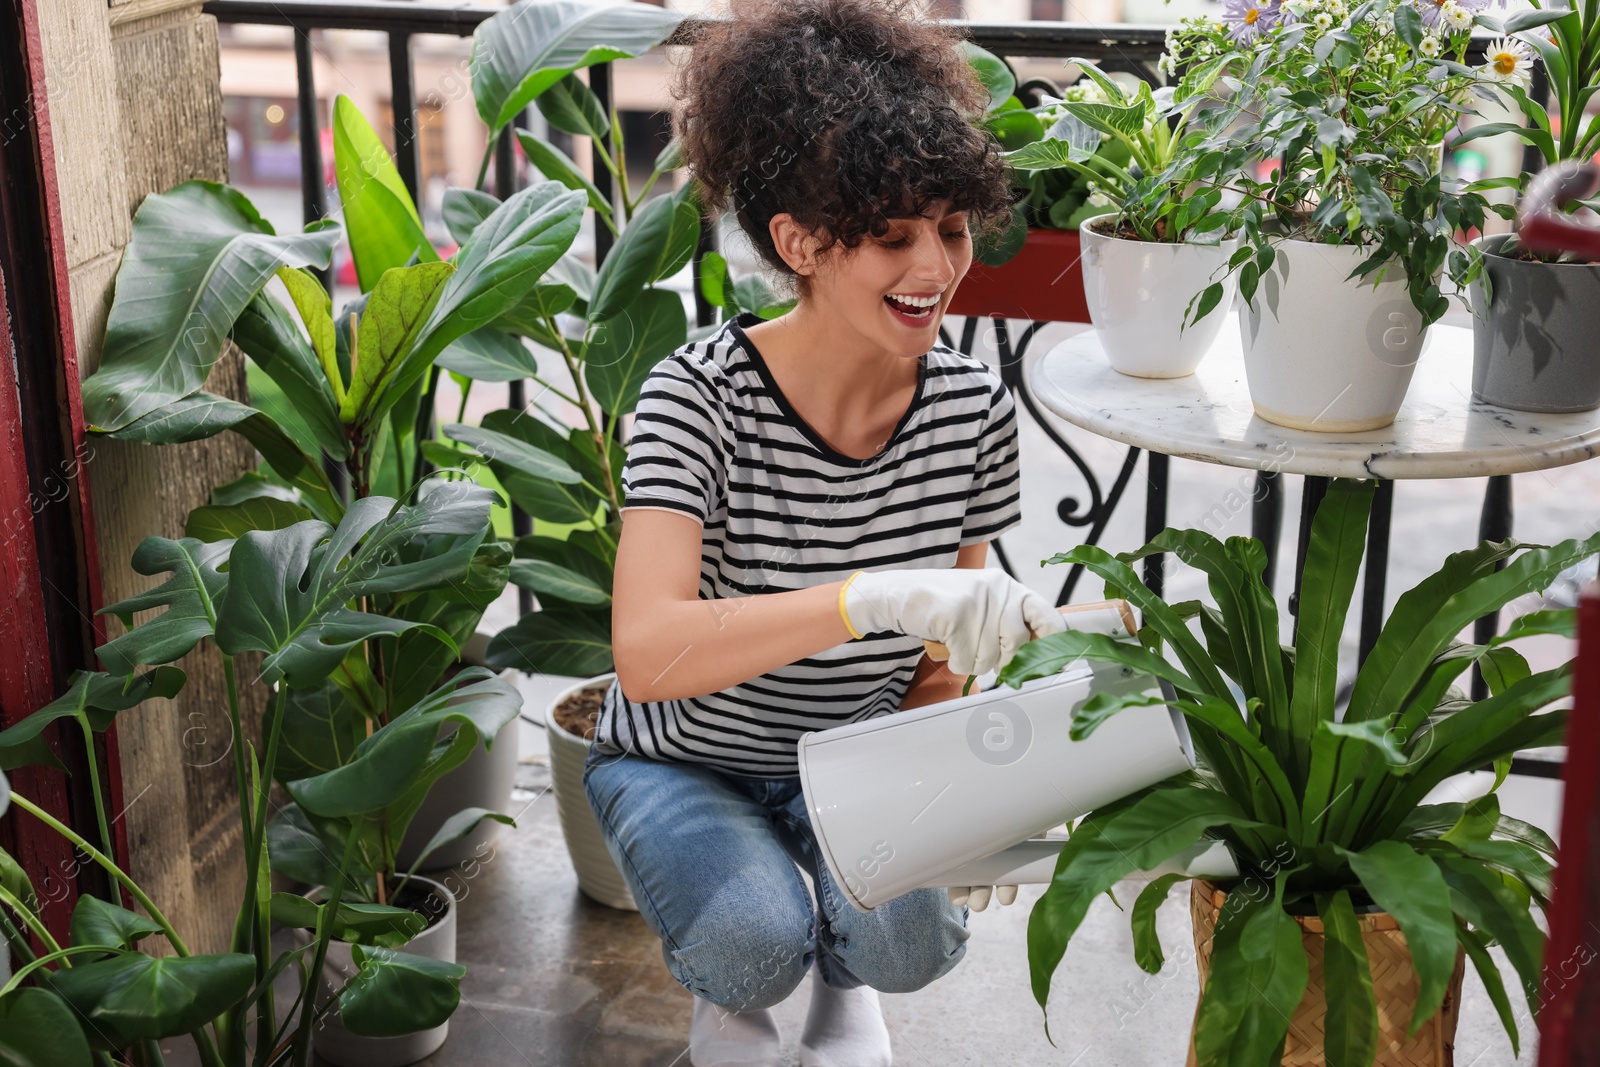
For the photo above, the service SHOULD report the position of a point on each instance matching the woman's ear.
(794, 243)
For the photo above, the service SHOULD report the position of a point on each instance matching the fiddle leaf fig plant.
(1324, 813)
(285, 594)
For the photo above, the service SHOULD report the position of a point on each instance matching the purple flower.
(1247, 20)
(1432, 10)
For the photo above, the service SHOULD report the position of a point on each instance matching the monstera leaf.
(133, 997)
(93, 699)
(528, 47)
(397, 763)
(397, 993)
(200, 253)
(288, 589)
(191, 597)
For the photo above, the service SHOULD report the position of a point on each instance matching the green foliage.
(1323, 813)
(1347, 118)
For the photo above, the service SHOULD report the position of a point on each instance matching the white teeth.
(917, 301)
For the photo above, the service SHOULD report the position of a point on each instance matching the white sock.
(722, 1038)
(844, 1028)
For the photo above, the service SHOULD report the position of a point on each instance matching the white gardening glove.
(976, 897)
(981, 616)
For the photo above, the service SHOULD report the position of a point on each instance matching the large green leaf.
(201, 415)
(1428, 617)
(395, 758)
(385, 231)
(390, 324)
(464, 209)
(504, 258)
(396, 993)
(1351, 1025)
(357, 922)
(623, 349)
(1481, 896)
(320, 729)
(513, 452)
(269, 336)
(572, 107)
(191, 597)
(1409, 886)
(133, 996)
(631, 263)
(992, 72)
(225, 522)
(417, 661)
(557, 582)
(458, 826)
(94, 922)
(288, 588)
(92, 698)
(1333, 558)
(38, 1029)
(1102, 852)
(490, 355)
(563, 499)
(1258, 975)
(200, 253)
(525, 49)
(558, 166)
(301, 849)
(1475, 944)
(554, 641)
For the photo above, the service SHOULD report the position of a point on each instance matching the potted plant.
(1031, 268)
(281, 596)
(1145, 261)
(1533, 324)
(1343, 243)
(1342, 859)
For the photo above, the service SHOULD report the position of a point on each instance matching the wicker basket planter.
(1394, 984)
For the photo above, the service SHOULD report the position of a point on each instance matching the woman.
(808, 498)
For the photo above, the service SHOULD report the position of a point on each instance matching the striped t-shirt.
(714, 438)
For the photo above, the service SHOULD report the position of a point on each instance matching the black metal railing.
(1130, 49)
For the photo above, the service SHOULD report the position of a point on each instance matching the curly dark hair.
(842, 113)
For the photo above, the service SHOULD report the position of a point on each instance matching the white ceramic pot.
(1137, 293)
(598, 876)
(338, 1046)
(988, 771)
(1322, 353)
(485, 780)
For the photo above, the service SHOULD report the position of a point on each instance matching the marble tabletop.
(1441, 432)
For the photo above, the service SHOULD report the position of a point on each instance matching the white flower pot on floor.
(598, 876)
(1138, 291)
(1322, 353)
(338, 1046)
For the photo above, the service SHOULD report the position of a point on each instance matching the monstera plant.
(1327, 814)
(298, 598)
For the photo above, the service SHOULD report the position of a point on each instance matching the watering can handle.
(939, 653)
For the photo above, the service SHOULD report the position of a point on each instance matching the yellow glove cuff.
(843, 614)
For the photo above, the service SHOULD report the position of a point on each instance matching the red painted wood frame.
(49, 572)
(1569, 1021)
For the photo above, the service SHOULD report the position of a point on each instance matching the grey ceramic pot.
(1536, 341)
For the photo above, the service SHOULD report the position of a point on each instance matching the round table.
(1441, 432)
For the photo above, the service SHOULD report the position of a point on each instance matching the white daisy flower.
(1509, 62)
(1430, 47)
(1167, 65)
(1455, 16)
(1388, 59)
(1322, 22)
(1336, 8)
(1098, 198)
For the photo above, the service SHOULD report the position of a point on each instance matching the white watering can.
(964, 792)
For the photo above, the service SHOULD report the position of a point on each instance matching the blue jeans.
(711, 860)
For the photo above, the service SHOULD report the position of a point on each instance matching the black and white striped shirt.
(715, 438)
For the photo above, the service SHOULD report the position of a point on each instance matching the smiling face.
(893, 290)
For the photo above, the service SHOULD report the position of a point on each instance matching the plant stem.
(29, 919)
(110, 867)
(466, 391)
(602, 452)
(302, 1050)
(94, 784)
(483, 167)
